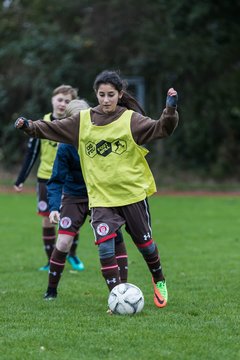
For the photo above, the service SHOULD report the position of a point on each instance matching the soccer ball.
(126, 299)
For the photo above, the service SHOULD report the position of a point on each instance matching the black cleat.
(50, 294)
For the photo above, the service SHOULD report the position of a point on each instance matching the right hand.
(21, 123)
(18, 188)
(54, 217)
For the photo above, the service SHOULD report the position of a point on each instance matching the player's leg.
(138, 225)
(105, 223)
(73, 258)
(72, 216)
(57, 264)
(48, 229)
(77, 213)
(109, 265)
(73, 250)
(121, 256)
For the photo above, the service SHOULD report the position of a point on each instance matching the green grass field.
(199, 242)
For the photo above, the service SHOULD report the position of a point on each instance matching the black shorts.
(136, 217)
(73, 214)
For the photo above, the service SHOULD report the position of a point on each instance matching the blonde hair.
(66, 89)
(75, 106)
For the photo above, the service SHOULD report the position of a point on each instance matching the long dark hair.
(113, 78)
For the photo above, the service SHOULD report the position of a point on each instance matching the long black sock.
(73, 249)
(122, 260)
(49, 239)
(57, 263)
(110, 272)
(154, 265)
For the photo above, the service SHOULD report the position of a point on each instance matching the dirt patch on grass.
(7, 189)
(198, 193)
(196, 187)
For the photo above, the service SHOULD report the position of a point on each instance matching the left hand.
(54, 217)
(172, 98)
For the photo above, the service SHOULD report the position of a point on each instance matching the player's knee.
(106, 249)
(64, 243)
(148, 250)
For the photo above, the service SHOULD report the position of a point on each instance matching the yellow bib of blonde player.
(114, 166)
(47, 155)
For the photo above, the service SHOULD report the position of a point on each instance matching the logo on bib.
(65, 222)
(103, 229)
(104, 148)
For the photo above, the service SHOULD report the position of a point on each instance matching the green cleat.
(76, 263)
(160, 293)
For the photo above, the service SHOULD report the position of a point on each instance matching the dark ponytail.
(112, 77)
(130, 103)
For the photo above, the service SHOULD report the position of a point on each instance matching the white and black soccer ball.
(126, 299)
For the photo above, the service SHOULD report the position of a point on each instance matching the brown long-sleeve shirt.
(144, 129)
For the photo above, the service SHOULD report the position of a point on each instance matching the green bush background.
(192, 46)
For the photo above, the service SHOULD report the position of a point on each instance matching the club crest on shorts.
(65, 222)
(42, 205)
(103, 229)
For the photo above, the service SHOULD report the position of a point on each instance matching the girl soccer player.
(46, 150)
(109, 139)
(68, 205)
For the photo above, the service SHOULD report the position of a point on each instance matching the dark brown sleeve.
(65, 130)
(145, 129)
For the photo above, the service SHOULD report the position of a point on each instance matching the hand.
(18, 188)
(54, 217)
(172, 98)
(21, 123)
